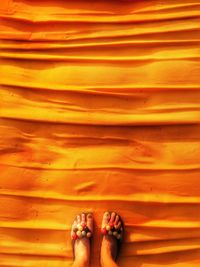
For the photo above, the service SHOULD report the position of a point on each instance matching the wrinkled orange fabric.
(100, 110)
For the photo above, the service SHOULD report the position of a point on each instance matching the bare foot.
(81, 241)
(109, 246)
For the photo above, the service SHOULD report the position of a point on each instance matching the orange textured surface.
(100, 110)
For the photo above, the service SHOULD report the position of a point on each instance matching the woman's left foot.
(112, 231)
(81, 233)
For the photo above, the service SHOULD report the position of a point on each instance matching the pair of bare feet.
(109, 246)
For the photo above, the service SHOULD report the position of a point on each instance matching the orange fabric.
(100, 108)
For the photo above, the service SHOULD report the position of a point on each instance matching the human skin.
(108, 246)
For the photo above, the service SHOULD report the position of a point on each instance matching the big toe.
(106, 219)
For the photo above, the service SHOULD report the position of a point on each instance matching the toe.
(113, 216)
(90, 221)
(83, 218)
(116, 220)
(78, 219)
(106, 219)
(118, 225)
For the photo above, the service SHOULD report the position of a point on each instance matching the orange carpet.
(100, 110)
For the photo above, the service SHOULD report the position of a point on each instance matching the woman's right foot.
(109, 246)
